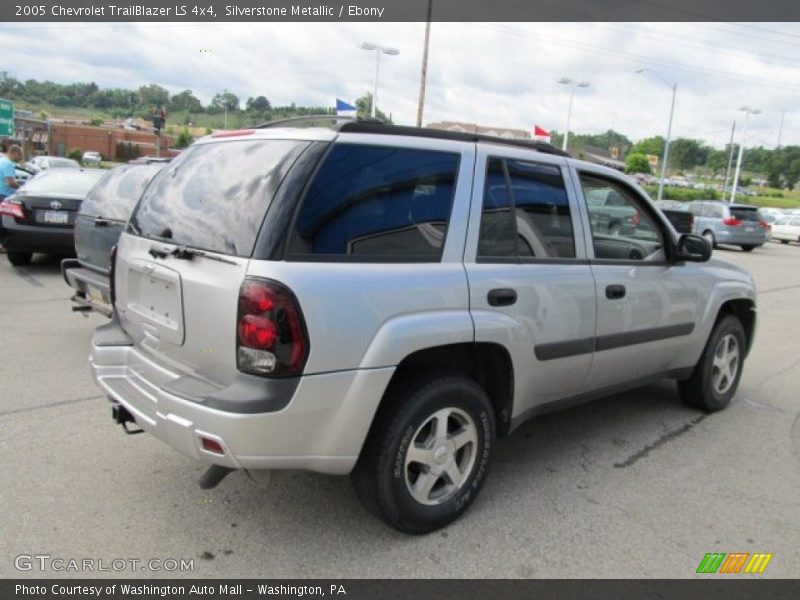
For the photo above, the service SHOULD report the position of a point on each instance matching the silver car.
(386, 301)
(732, 224)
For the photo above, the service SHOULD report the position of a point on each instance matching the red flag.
(540, 131)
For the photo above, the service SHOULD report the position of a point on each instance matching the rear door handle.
(615, 292)
(100, 222)
(501, 297)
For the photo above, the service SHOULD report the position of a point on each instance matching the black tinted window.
(525, 212)
(745, 214)
(116, 194)
(214, 196)
(372, 202)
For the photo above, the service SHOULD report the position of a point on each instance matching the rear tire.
(19, 259)
(709, 237)
(784, 241)
(747, 248)
(428, 453)
(716, 376)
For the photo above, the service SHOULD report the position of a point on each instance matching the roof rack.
(337, 120)
(364, 126)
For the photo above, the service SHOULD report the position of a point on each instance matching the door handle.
(501, 297)
(615, 292)
(98, 222)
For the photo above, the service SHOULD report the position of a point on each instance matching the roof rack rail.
(364, 126)
(337, 120)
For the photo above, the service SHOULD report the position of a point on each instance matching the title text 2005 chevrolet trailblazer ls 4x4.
(385, 301)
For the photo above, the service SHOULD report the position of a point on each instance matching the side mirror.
(692, 248)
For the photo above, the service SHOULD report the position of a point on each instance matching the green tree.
(258, 104)
(637, 163)
(187, 101)
(152, 96)
(686, 154)
(75, 154)
(652, 145)
(224, 100)
(184, 139)
(364, 108)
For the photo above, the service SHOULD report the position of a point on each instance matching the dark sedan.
(100, 220)
(40, 217)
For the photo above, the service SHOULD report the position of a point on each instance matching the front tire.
(716, 376)
(428, 453)
(747, 248)
(19, 259)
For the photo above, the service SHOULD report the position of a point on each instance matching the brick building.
(64, 137)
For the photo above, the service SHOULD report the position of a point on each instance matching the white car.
(787, 229)
(42, 163)
(91, 158)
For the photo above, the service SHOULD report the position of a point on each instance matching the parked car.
(385, 301)
(41, 215)
(101, 218)
(22, 175)
(786, 229)
(734, 224)
(770, 215)
(678, 214)
(149, 160)
(42, 163)
(92, 158)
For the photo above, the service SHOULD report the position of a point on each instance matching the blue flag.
(343, 108)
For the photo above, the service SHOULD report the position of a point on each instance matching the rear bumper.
(36, 238)
(737, 237)
(320, 427)
(92, 288)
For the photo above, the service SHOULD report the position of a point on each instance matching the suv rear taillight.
(764, 225)
(732, 221)
(13, 208)
(271, 337)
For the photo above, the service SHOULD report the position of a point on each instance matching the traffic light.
(159, 119)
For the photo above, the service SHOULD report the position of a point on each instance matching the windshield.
(58, 163)
(64, 181)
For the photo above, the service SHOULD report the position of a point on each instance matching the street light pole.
(424, 74)
(378, 51)
(665, 156)
(747, 112)
(572, 85)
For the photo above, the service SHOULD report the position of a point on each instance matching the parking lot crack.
(666, 437)
(17, 411)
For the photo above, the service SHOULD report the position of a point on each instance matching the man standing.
(8, 182)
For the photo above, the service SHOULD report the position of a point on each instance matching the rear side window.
(525, 212)
(214, 196)
(372, 203)
(116, 194)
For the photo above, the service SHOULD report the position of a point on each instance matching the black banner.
(733, 588)
(397, 10)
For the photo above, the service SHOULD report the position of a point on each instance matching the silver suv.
(386, 301)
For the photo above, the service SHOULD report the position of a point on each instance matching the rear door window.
(377, 203)
(214, 196)
(525, 212)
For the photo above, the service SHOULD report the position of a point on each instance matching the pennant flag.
(541, 134)
(344, 109)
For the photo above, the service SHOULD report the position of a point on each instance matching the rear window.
(745, 214)
(72, 182)
(374, 203)
(214, 196)
(116, 194)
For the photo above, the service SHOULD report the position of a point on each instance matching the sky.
(493, 74)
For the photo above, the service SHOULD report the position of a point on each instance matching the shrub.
(75, 154)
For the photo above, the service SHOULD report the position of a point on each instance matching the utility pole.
(730, 161)
(666, 143)
(780, 129)
(747, 112)
(424, 75)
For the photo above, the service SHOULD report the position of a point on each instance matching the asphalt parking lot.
(636, 485)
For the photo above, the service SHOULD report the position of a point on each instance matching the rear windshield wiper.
(186, 253)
